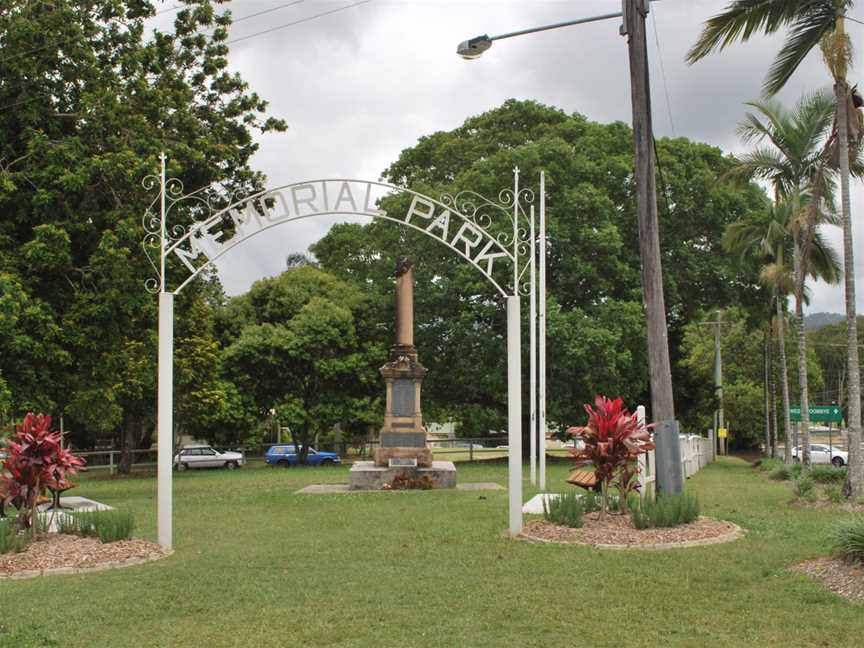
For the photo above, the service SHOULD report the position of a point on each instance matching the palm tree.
(790, 155)
(767, 240)
(810, 23)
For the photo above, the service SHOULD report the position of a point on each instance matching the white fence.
(695, 455)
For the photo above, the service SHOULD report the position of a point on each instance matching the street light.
(474, 47)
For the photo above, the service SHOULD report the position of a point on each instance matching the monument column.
(404, 304)
(403, 437)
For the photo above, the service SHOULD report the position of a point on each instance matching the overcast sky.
(359, 85)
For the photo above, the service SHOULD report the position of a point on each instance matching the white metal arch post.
(465, 222)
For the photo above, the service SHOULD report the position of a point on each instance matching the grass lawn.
(257, 566)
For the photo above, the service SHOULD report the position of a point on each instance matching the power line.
(234, 21)
(663, 72)
(297, 22)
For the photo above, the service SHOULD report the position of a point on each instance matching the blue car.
(286, 455)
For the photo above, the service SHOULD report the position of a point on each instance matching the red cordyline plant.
(36, 461)
(613, 440)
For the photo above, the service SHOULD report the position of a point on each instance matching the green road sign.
(818, 413)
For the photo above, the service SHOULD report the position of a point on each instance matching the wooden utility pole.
(659, 368)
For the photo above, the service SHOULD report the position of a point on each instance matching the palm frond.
(824, 261)
(743, 18)
(776, 129)
(812, 118)
(812, 21)
(766, 164)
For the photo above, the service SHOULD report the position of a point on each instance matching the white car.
(823, 454)
(206, 457)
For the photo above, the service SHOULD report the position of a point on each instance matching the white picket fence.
(695, 455)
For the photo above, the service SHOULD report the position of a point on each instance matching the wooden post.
(659, 369)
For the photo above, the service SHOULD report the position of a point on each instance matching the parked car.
(285, 455)
(823, 454)
(206, 457)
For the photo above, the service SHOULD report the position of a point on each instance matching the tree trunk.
(802, 348)
(124, 467)
(765, 391)
(784, 384)
(772, 382)
(854, 486)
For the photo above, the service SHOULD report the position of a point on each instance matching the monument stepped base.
(365, 475)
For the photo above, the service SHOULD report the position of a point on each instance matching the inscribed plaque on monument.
(403, 397)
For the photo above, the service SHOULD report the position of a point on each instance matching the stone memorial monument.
(403, 438)
(402, 449)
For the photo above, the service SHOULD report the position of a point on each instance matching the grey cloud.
(359, 86)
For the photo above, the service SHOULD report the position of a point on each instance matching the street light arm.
(568, 23)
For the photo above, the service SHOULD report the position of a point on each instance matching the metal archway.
(467, 222)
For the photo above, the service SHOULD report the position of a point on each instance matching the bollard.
(670, 480)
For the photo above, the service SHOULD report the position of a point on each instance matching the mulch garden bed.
(65, 554)
(612, 531)
(837, 575)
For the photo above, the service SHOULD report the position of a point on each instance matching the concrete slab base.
(365, 475)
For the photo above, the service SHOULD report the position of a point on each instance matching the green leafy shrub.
(827, 474)
(834, 492)
(108, 526)
(10, 540)
(666, 511)
(804, 488)
(795, 470)
(847, 539)
(780, 473)
(567, 509)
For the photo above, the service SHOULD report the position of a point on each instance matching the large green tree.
(596, 329)
(88, 99)
(306, 345)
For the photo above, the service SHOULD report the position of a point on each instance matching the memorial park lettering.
(208, 240)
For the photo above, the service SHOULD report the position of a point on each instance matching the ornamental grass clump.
(567, 509)
(804, 488)
(834, 493)
(847, 539)
(611, 443)
(665, 511)
(108, 526)
(10, 540)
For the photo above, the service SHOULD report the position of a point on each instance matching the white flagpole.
(533, 324)
(542, 325)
